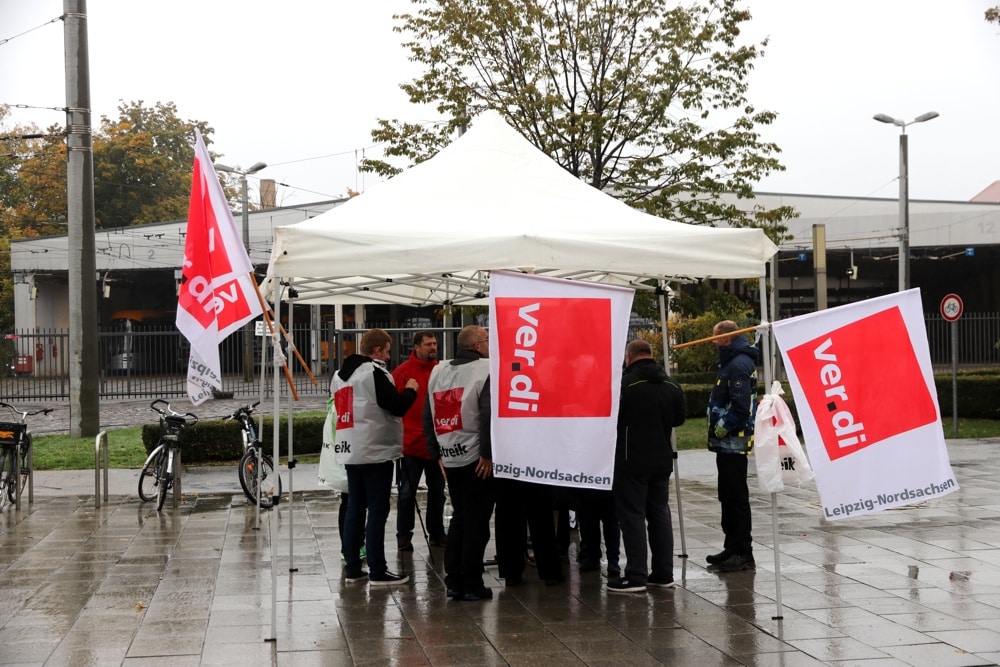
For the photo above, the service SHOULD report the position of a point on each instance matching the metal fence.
(150, 362)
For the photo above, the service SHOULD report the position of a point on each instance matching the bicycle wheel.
(248, 477)
(166, 476)
(25, 471)
(149, 477)
(5, 473)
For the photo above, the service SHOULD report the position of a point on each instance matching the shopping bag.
(331, 473)
(779, 454)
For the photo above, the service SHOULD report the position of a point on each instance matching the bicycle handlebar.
(189, 417)
(243, 409)
(24, 414)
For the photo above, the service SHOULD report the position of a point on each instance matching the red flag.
(216, 294)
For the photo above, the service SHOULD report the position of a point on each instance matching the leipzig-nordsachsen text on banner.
(864, 391)
(556, 350)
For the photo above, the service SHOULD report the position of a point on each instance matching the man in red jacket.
(416, 460)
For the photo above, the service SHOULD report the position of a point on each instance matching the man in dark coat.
(651, 406)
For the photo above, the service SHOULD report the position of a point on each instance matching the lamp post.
(904, 192)
(247, 332)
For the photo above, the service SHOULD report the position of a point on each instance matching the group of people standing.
(430, 419)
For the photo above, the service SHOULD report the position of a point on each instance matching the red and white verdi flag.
(217, 295)
(556, 351)
(864, 392)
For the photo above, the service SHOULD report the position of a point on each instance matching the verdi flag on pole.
(216, 294)
(864, 392)
(556, 351)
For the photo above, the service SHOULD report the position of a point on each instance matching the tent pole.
(660, 291)
(291, 440)
(766, 349)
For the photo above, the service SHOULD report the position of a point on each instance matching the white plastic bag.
(777, 450)
(331, 473)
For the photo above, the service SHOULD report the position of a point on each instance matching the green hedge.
(218, 440)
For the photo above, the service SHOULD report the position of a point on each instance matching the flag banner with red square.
(216, 295)
(556, 351)
(864, 391)
(537, 377)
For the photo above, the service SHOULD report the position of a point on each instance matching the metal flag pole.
(661, 291)
(765, 337)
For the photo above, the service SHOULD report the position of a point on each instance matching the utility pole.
(84, 399)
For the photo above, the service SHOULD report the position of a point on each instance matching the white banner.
(556, 353)
(217, 295)
(864, 393)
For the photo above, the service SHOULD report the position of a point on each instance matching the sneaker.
(352, 578)
(737, 563)
(715, 559)
(388, 579)
(623, 585)
(660, 582)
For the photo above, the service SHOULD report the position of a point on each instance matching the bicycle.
(15, 456)
(157, 476)
(253, 455)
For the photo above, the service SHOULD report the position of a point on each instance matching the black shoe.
(351, 578)
(388, 579)
(660, 582)
(455, 593)
(737, 563)
(404, 544)
(715, 559)
(623, 585)
(482, 593)
(614, 572)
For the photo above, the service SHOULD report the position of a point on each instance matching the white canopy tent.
(491, 200)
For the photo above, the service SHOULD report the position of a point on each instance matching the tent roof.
(491, 200)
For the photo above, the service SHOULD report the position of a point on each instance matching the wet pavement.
(123, 584)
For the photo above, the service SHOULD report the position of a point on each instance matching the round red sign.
(951, 307)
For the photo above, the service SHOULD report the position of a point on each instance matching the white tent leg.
(765, 337)
(673, 434)
(276, 411)
(291, 429)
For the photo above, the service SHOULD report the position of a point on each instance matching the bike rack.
(100, 444)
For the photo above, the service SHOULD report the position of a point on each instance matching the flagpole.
(270, 328)
(768, 377)
(731, 333)
(673, 433)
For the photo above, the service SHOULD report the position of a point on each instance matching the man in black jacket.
(651, 406)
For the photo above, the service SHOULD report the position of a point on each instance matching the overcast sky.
(299, 84)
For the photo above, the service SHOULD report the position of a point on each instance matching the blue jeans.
(369, 486)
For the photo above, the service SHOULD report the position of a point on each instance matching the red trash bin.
(24, 364)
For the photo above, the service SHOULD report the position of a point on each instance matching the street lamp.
(247, 333)
(904, 192)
